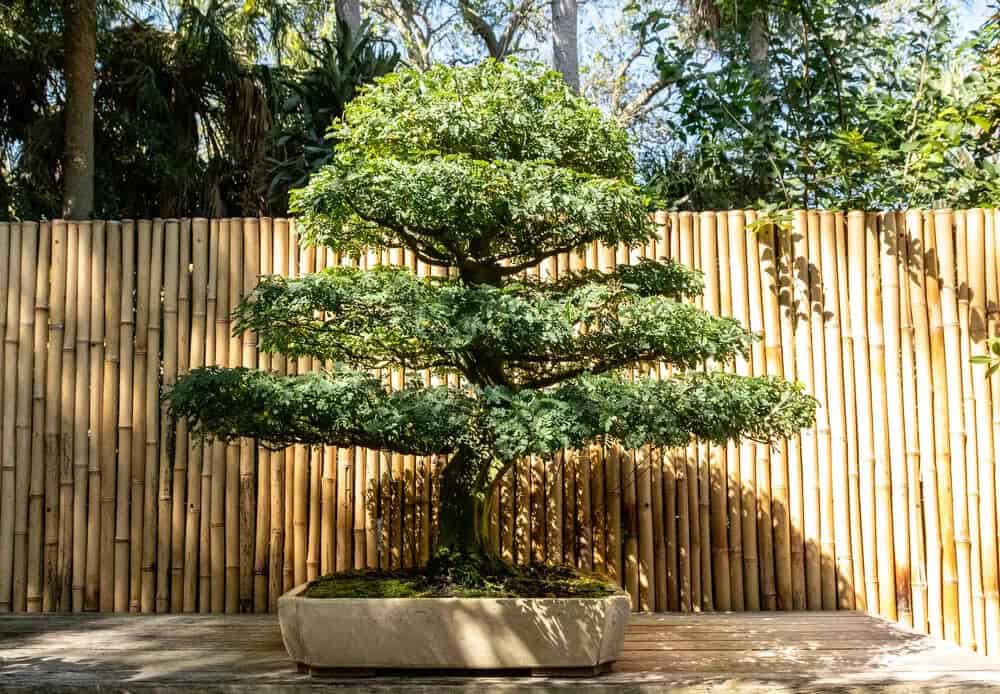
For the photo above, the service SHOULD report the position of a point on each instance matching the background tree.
(81, 59)
(488, 170)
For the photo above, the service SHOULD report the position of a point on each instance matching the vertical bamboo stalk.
(234, 546)
(53, 384)
(808, 445)
(643, 486)
(143, 362)
(979, 266)
(109, 413)
(276, 547)
(850, 414)
(969, 458)
(36, 492)
(916, 252)
(81, 444)
(293, 452)
(717, 548)
(748, 474)
(22, 421)
(736, 242)
(991, 232)
(895, 420)
(66, 423)
(584, 512)
(817, 318)
(914, 519)
(196, 450)
(206, 550)
(687, 257)
(944, 240)
(880, 440)
(315, 472)
(95, 379)
(837, 504)
(264, 457)
(151, 402)
(942, 426)
(182, 454)
(247, 501)
(9, 268)
(171, 285)
(789, 315)
(862, 372)
(220, 451)
(126, 341)
(772, 474)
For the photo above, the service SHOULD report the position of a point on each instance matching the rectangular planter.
(452, 633)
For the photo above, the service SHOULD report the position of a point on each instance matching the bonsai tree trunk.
(464, 511)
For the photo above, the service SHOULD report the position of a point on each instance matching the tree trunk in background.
(759, 42)
(349, 12)
(81, 58)
(565, 54)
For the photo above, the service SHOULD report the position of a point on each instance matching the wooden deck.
(765, 652)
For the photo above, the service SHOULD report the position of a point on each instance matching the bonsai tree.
(487, 170)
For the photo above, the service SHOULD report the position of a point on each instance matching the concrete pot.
(544, 635)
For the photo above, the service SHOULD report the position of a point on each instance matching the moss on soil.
(451, 579)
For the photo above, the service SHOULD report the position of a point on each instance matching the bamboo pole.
(978, 268)
(262, 523)
(917, 281)
(126, 341)
(584, 512)
(139, 423)
(109, 412)
(66, 423)
(788, 317)
(8, 387)
(809, 448)
(165, 487)
(857, 581)
(736, 242)
(315, 470)
(991, 232)
(918, 571)
(151, 401)
(944, 240)
(942, 427)
(838, 505)
(969, 458)
(817, 318)
(856, 239)
(81, 391)
(717, 473)
(773, 543)
(197, 459)
(748, 474)
(889, 254)
(293, 452)
(880, 436)
(182, 458)
(36, 492)
(687, 257)
(95, 380)
(220, 450)
(233, 551)
(53, 385)
(206, 550)
(22, 422)
(276, 547)
(247, 502)
(643, 486)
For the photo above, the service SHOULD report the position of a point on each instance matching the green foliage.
(834, 103)
(485, 172)
(187, 121)
(474, 167)
(535, 334)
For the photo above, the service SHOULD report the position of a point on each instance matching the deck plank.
(762, 652)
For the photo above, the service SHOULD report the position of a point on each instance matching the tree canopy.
(489, 170)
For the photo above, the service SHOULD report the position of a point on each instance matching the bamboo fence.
(888, 505)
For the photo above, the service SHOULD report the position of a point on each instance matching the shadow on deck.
(747, 652)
